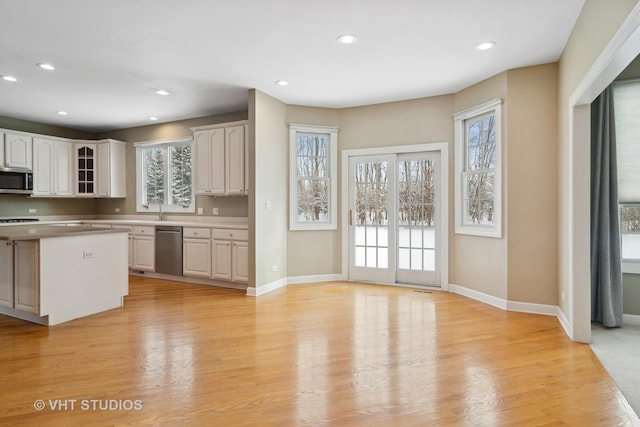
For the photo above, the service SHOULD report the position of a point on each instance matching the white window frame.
(332, 224)
(140, 207)
(461, 119)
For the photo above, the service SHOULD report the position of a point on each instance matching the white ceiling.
(110, 56)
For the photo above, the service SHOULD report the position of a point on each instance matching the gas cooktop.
(12, 220)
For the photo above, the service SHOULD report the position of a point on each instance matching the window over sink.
(164, 176)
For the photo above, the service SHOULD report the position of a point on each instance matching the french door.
(394, 218)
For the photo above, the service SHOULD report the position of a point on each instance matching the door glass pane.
(416, 215)
(430, 260)
(370, 214)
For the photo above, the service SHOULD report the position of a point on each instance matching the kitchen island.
(52, 274)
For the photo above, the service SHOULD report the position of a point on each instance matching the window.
(626, 98)
(478, 194)
(313, 186)
(164, 179)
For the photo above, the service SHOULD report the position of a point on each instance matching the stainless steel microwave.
(16, 182)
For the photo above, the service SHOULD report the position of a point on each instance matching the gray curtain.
(606, 275)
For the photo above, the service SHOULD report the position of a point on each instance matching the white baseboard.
(630, 319)
(478, 296)
(269, 287)
(523, 307)
(564, 322)
(295, 280)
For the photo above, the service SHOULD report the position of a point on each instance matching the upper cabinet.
(111, 168)
(85, 164)
(220, 160)
(52, 168)
(17, 151)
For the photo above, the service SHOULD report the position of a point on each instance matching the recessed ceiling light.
(46, 66)
(162, 92)
(62, 113)
(10, 78)
(153, 119)
(347, 39)
(485, 45)
(282, 82)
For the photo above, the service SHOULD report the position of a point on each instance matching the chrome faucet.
(160, 216)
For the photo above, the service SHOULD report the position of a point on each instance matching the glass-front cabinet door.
(86, 170)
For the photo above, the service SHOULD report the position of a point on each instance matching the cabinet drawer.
(196, 233)
(230, 234)
(143, 230)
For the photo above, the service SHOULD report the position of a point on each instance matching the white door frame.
(619, 52)
(443, 149)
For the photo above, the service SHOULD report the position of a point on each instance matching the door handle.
(350, 216)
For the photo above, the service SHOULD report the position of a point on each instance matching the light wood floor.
(331, 354)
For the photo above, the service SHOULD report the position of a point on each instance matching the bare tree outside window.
(479, 174)
(313, 177)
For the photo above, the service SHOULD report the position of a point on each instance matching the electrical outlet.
(32, 210)
(216, 211)
(267, 205)
(117, 210)
(274, 268)
(200, 211)
(562, 295)
(88, 254)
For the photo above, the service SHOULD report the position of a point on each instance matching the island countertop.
(42, 231)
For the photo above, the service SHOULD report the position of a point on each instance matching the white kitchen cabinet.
(208, 158)
(246, 159)
(85, 169)
(221, 259)
(26, 292)
(220, 159)
(1, 149)
(144, 248)
(240, 261)
(19, 281)
(234, 159)
(6, 273)
(18, 151)
(196, 252)
(52, 168)
(230, 255)
(111, 169)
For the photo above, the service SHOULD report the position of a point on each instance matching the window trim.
(461, 118)
(332, 224)
(165, 208)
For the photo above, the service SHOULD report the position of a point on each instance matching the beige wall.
(531, 176)
(227, 206)
(596, 25)
(268, 160)
(312, 252)
(481, 262)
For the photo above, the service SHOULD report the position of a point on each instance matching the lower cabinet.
(144, 248)
(19, 282)
(196, 252)
(230, 255)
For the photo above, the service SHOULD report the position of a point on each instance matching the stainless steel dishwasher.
(169, 249)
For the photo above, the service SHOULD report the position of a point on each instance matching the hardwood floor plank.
(314, 354)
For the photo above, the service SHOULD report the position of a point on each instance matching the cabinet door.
(103, 168)
(196, 257)
(246, 159)
(18, 151)
(222, 259)
(240, 262)
(217, 174)
(201, 162)
(6, 273)
(62, 168)
(144, 253)
(2, 150)
(85, 170)
(43, 167)
(26, 280)
(234, 161)
(130, 251)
